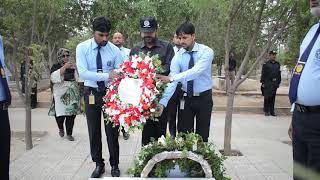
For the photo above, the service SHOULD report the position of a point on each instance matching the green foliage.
(300, 25)
(36, 63)
(72, 42)
(40, 22)
(183, 142)
(125, 15)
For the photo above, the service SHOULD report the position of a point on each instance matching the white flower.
(134, 64)
(113, 97)
(142, 119)
(162, 140)
(179, 140)
(148, 59)
(139, 59)
(144, 70)
(194, 147)
(121, 119)
(152, 110)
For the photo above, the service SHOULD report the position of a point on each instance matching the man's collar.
(157, 43)
(194, 49)
(95, 44)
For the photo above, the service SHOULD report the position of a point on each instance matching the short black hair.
(185, 28)
(101, 24)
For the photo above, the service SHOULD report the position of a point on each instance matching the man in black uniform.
(150, 43)
(270, 81)
(232, 69)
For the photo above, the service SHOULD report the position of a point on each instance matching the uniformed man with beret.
(151, 44)
(270, 81)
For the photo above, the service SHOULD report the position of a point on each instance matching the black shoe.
(126, 135)
(70, 137)
(267, 114)
(61, 132)
(115, 171)
(98, 171)
(273, 114)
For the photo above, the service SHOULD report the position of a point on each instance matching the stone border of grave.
(176, 155)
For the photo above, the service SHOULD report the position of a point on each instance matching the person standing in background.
(270, 82)
(118, 40)
(66, 92)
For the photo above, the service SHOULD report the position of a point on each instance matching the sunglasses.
(65, 55)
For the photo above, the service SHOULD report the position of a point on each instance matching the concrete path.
(259, 138)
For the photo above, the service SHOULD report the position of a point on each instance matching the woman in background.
(66, 95)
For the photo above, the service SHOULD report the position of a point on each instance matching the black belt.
(302, 108)
(94, 89)
(198, 94)
(4, 106)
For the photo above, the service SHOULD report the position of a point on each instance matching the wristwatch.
(170, 78)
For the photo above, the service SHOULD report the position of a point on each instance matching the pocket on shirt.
(317, 57)
(110, 65)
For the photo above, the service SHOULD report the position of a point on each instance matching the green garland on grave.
(183, 142)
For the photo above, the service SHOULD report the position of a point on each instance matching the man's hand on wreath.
(165, 79)
(159, 110)
(113, 74)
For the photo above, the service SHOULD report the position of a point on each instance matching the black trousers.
(93, 114)
(268, 105)
(155, 129)
(172, 108)
(34, 98)
(306, 140)
(69, 123)
(5, 135)
(198, 107)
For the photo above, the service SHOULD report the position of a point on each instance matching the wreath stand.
(176, 155)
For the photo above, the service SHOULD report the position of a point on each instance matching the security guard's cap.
(148, 24)
(273, 52)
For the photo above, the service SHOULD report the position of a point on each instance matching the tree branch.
(252, 41)
(273, 36)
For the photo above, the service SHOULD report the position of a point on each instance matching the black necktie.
(101, 86)
(190, 83)
(3, 81)
(293, 90)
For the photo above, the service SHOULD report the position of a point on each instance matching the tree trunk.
(50, 54)
(15, 68)
(28, 84)
(228, 121)
(28, 132)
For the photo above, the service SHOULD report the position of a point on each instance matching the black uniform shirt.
(271, 73)
(232, 64)
(162, 48)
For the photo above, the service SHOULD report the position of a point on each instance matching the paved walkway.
(258, 137)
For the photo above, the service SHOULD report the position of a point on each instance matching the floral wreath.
(142, 68)
(185, 143)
